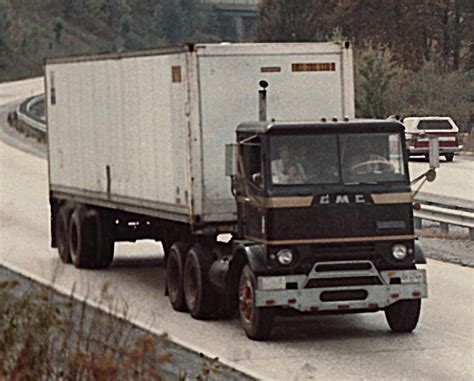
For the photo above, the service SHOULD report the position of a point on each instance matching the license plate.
(411, 277)
(272, 283)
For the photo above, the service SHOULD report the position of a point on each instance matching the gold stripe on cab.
(278, 202)
(288, 202)
(392, 198)
(332, 240)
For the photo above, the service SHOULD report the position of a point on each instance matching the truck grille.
(335, 252)
(343, 282)
(345, 249)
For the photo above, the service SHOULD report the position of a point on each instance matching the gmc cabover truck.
(317, 205)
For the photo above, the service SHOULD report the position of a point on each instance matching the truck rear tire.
(201, 298)
(403, 316)
(174, 275)
(62, 233)
(256, 321)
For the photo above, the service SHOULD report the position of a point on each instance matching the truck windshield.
(336, 158)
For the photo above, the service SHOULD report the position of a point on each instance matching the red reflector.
(373, 306)
(343, 307)
(394, 296)
(416, 206)
(291, 301)
(416, 294)
(269, 302)
(315, 309)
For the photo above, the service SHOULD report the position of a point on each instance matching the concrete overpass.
(239, 7)
(242, 11)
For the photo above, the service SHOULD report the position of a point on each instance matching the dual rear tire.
(189, 289)
(83, 238)
(187, 280)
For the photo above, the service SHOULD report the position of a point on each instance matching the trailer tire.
(256, 321)
(81, 246)
(174, 275)
(62, 233)
(76, 237)
(403, 315)
(101, 244)
(201, 298)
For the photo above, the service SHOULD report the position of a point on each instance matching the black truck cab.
(325, 222)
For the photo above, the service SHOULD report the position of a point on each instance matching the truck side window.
(252, 161)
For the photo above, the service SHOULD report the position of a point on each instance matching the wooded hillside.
(412, 57)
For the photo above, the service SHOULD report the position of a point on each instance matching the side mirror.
(434, 152)
(231, 152)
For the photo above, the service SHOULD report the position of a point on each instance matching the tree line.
(412, 57)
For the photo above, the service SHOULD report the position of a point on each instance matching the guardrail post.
(418, 223)
(444, 227)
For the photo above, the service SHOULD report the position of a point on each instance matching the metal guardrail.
(446, 212)
(38, 103)
(27, 121)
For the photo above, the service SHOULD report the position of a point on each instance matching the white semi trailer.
(136, 147)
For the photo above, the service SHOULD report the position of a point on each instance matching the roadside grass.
(45, 338)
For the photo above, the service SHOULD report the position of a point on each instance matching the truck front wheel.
(201, 298)
(174, 275)
(403, 316)
(256, 321)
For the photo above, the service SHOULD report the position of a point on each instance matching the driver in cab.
(285, 170)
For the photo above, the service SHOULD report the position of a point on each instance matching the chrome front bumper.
(391, 287)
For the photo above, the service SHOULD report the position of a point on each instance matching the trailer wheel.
(201, 298)
(256, 321)
(174, 275)
(62, 233)
(81, 242)
(403, 316)
(101, 245)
